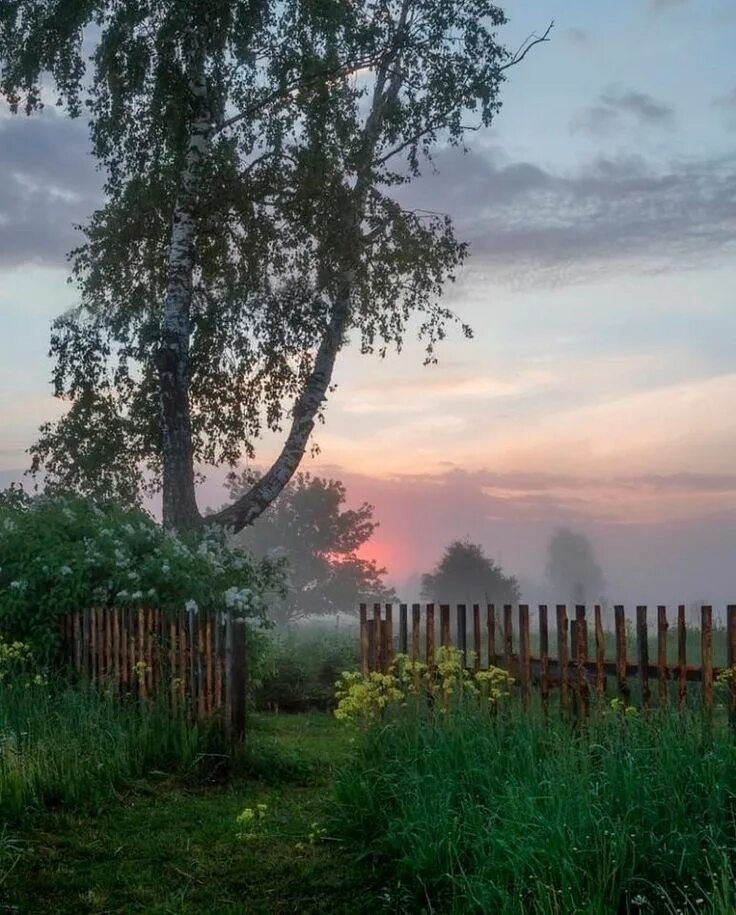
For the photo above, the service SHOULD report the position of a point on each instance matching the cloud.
(50, 185)
(576, 36)
(530, 224)
(512, 515)
(727, 103)
(381, 396)
(619, 109)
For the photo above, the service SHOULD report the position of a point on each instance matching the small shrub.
(66, 553)
(300, 665)
(366, 699)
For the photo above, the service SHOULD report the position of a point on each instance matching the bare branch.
(527, 45)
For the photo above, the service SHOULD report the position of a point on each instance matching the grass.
(73, 747)
(165, 847)
(515, 817)
(302, 662)
(107, 808)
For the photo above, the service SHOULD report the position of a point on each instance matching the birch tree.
(251, 225)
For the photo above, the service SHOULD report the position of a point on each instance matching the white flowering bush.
(66, 553)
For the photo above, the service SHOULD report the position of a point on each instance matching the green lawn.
(165, 848)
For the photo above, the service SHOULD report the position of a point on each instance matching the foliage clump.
(365, 698)
(63, 553)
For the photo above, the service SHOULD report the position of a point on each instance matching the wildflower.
(65, 570)
(246, 815)
(191, 606)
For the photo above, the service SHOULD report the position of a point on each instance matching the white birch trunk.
(179, 502)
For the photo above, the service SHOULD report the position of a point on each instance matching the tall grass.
(473, 815)
(301, 663)
(73, 746)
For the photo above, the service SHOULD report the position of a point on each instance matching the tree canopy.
(465, 574)
(319, 538)
(572, 568)
(249, 225)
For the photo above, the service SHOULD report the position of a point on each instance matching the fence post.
(731, 647)
(416, 621)
(543, 657)
(476, 635)
(581, 657)
(524, 657)
(706, 635)
(662, 654)
(462, 639)
(508, 639)
(621, 660)
(600, 652)
(681, 657)
(445, 640)
(364, 640)
(492, 660)
(403, 629)
(377, 631)
(235, 673)
(642, 638)
(562, 656)
(387, 649)
(429, 636)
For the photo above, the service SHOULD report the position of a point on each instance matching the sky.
(598, 390)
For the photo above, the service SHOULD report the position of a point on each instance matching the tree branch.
(248, 507)
(526, 46)
(294, 87)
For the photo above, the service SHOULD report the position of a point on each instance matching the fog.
(678, 561)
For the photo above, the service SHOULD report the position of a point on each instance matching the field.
(410, 806)
(165, 845)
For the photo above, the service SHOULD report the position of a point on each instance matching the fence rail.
(577, 667)
(195, 662)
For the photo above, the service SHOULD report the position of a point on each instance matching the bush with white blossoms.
(65, 553)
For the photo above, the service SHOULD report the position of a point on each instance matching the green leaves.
(315, 113)
(64, 553)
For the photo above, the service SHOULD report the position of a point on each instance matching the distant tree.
(319, 538)
(572, 568)
(466, 574)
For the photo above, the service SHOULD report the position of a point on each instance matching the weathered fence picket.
(184, 660)
(575, 672)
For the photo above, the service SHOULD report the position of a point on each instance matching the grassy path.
(165, 849)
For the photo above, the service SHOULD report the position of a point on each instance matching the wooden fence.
(576, 665)
(194, 662)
